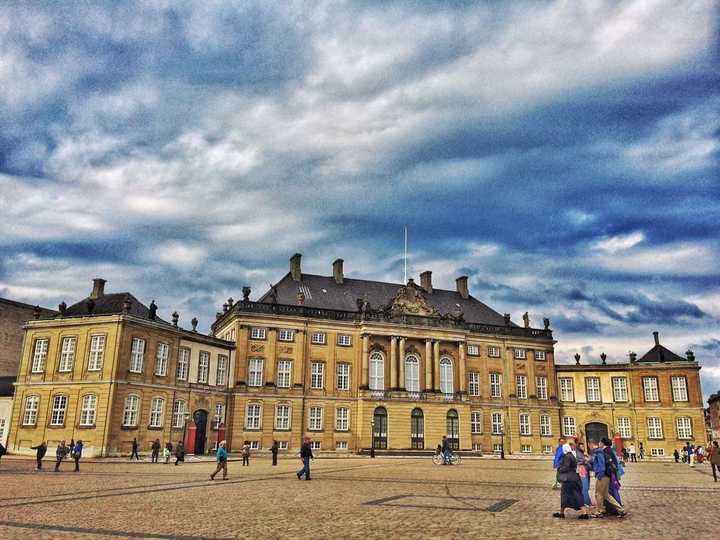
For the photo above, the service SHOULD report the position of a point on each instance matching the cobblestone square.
(351, 497)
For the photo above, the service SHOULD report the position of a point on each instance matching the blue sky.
(564, 155)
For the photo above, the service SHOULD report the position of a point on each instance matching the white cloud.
(615, 244)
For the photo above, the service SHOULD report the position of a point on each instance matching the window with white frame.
(161, 359)
(546, 449)
(446, 375)
(222, 369)
(284, 373)
(252, 416)
(88, 406)
(67, 354)
(219, 414)
(412, 373)
(97, 350)
(521, 386)
(157, 410)
(130, 411)
(342, 419)
(183, 363)
(526, 448)
(624, 427)
(257, 333)
(476, 447)
(539, 355)
(525, 424)
(318, 338)
(541, 387)
(497, 448)
(32, 404)
(344, 340)
(474, 383)
(650, 389)
(59, 406)
(341, 445)
(203, 367)
(283, 445)
(545, 425)
(493, 351)
(655, 430)
(476, 427)
(566, 389)
(255, 372)
(657, 452)
(254, 445)
(137, 355)
(285, 334)
(679, 388)
(178, 417)
(282, 417)
(568, 426)
(592, 389)
(315, 419)
(40, 352)
(684, 427)
(495, 385)
(496, 423)
(620, 389)
(315, 445)
(342, 372)
(317, 372)
(377, 371)
(519, 353)
(473, 350)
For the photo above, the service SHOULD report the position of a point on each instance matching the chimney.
(462, 286)
(295, 271)
(656, 335)
(338, 271)
(426, 280)
(98, 288)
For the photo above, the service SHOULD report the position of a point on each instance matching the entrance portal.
(200, 418)
(380, 428)
(594, 431)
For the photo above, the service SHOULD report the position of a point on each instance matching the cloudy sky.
(564, 155)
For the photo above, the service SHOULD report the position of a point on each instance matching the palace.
(353, 364)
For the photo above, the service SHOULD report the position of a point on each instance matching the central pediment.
(410, 300)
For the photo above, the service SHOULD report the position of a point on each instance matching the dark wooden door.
(594, 431)
(453, 429)
(200, 417)
(380, 428)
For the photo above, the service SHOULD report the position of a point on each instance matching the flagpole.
(405, 258)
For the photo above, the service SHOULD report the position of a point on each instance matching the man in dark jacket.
(60, 452)
(274, 450)
(155, 450)
(179, 452)
(134, 450)
(40, 454)
(306, 455)
(77, 454)
(602, 468)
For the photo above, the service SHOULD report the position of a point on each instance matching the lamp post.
(372, 438)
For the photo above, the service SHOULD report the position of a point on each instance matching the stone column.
(461, 366)
(436, 366)
(365, 360)
(393, 364)
(271, 359)
(401, 365)
(428, 364)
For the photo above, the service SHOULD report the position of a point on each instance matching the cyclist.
(446, 451)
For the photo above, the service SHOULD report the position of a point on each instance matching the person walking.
(246, 454)
(76, 454)
(305, 455)
(60, 452)
(633, 453)
(676, 455)
(135, 450)
(641, 451)
(571, 487)
(40, 451)
(691, 455)
(583, 470)
(167, 452)
(445, 445)
(3, 450)
(714, 457)
(557, 458)
(602, 466)
(221, 456)
(179, 452)
(274, 450)
(155, 450)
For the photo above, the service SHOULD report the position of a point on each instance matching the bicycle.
(455, 459)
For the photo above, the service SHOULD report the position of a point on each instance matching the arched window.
(380, 424)
(377, 371)
(453, 429)
(446, 375)
(417, 429)
(412, 373)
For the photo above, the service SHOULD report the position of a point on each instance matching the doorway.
(380, 428)
(594, 431)
(200, 418)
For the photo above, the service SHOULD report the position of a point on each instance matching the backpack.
(610, 466)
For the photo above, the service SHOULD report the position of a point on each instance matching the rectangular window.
(317, 372)
(318, 338)
(67, 354)
(178, 418)
(566, 390)
(341, 445)
(497, 448)
(255, 372)
(137, 355)
(222, 369)
(87, 410)
(474, 383)
(284, 373)
(497, 423)
(546, 449)
(541, 387)
(495, 385)
(252, 416)
(342, 419)
(257, 333)
(315, 445)
(477, 447)
(203, 367)
(286, 335)
(183, 364)
(520, 353)
(161, 359)
(476, 427)
(40, 355)
(473, 350)
(568, 426)
(219, 414)
(315, 419)
(657, 452)
(655, 430)
(344, 340)
(254, 445)
(650, 389)
(620, 389)
(97, 350)
(525, 424)
(283, 445)
(282, 417)
(343, 376)
(679, 388)
(157, 408)
(592, 389)
(32, 404)
(493, 352)
(130, 412)
(623, 427)
(521, 386)
(545, 425)
(525, 448)
(539, 355)
(59, 407)
(684, 427)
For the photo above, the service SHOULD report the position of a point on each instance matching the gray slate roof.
(323, 292)
(660, 354)
(111, 304)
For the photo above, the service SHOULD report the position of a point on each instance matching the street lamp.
(372, 438)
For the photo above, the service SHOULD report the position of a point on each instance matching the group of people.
(575, 465)
(179, 451)
(221, 458)
(692, 454)
(74, 450)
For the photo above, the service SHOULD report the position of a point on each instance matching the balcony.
(402, 395)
